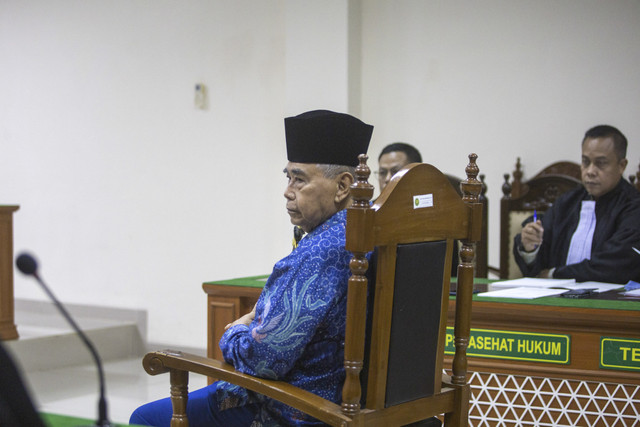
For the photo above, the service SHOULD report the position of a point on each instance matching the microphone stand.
(103, 420)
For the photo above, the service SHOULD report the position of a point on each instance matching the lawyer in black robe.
(617, 232)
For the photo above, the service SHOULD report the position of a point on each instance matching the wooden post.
(361, 193)
(179, 397)
(8, 330)
(471, 189)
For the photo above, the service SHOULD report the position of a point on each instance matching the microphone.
(28, 266)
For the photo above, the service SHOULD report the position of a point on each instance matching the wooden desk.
(8, 330)
(574, 390)
(584, 387)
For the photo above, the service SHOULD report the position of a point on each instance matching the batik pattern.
(297, 335)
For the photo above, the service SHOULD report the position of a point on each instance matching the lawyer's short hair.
(607, 131)
(413, 155)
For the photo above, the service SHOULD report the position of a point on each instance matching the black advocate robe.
(617, 232)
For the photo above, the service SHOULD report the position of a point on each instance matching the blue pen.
(535, 219)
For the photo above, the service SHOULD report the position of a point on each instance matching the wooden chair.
(396, 323)
(521, 198)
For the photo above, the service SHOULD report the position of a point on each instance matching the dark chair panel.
(417, 295)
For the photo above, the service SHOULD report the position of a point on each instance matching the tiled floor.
(74, 391)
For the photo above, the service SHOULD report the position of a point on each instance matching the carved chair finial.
(506, 186)
(483, 193)
(517, 174)
(517, 188)
(361, 190)
(471, 187)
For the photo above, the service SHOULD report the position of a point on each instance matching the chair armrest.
(159, 362)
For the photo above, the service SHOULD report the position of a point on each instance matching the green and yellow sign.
(515, 345)
(620, 353)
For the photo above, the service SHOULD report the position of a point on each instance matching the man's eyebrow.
(595, 158)
(294, 171)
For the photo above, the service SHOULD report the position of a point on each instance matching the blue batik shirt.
(297, 335)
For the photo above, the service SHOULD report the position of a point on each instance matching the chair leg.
(179, 396)
(460, 415)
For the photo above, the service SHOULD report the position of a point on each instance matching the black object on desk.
(579, 293)
(477, 287)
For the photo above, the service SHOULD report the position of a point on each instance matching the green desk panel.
(250, 282)
(615, 304)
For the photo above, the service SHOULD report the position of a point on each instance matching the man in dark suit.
(591, 233)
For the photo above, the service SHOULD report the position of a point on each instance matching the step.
(47, 341)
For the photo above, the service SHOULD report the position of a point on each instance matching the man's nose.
(288, 194)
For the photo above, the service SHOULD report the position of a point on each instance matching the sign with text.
(423, 201)
(620, 353)
(515, 345)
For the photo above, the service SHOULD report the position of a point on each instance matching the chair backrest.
(482, 247)
(412, 226)
(520, 199)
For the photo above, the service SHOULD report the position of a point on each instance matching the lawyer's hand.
(532, 235)
(547, 273)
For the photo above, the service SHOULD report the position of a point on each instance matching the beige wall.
(500, 78)
(131, 197)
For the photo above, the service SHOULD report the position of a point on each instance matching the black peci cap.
(326, 137)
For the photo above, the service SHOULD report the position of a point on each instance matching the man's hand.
(532, 235)
(244, 320)
(547, 273)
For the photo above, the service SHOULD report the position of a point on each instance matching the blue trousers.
(201, 409)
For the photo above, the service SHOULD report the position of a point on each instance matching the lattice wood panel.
(509, 400)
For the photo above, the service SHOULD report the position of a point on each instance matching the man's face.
(311, 198)
(389, 164)
(601, 168)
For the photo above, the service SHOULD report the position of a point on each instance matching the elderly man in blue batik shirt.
(295, 332)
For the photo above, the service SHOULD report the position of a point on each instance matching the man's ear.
(343, 181)
(623, 165)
